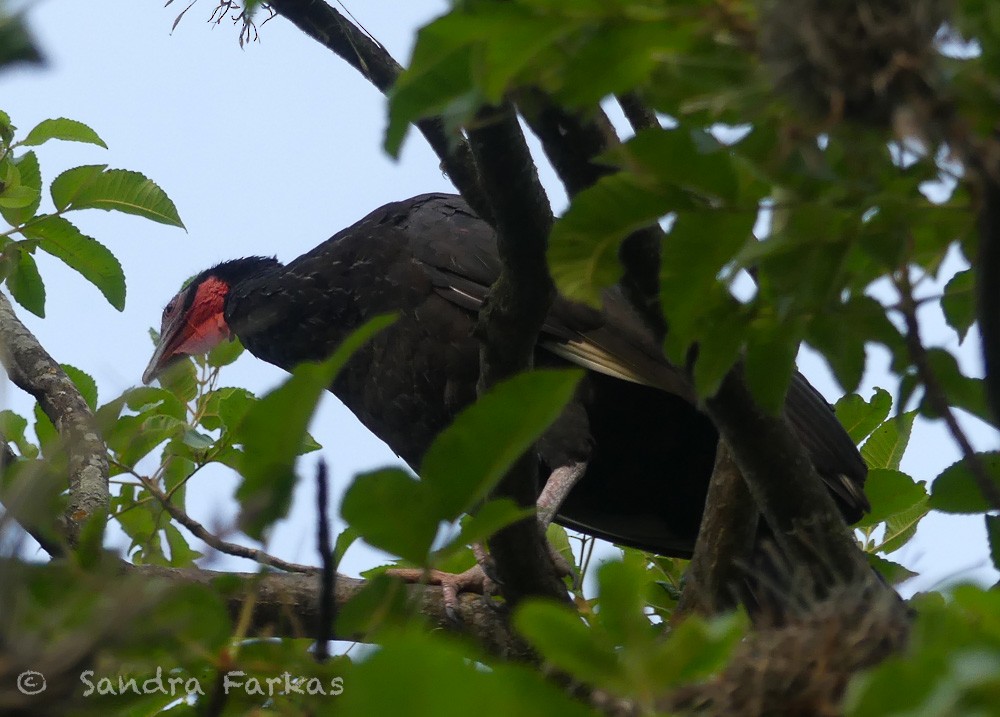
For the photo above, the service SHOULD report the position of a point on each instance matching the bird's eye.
(169, 308)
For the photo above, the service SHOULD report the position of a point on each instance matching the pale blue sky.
(269, 150)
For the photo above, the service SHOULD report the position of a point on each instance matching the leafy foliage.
(86, 187)
(829, 216)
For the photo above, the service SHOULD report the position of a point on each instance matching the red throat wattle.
(205, 323)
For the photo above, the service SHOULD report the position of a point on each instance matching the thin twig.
(935, 392)
(217, 543)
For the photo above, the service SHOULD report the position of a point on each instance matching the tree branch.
(214, 541)
(936, 395)
(335, 32)
(287, 605)
(572, 142)
(725, 541)
(784, 484)
(508, 327)
(33, 370)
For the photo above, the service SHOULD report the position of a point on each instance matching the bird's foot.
(474, 580)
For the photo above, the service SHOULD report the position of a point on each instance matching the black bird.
(647, 450)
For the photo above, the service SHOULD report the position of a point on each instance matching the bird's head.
(194, 321)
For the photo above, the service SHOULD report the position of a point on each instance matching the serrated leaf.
(19, 197)
(96, 187)
(273, 430)
(65, 188)
(959, 302)
(894, 573)
(84, 383)
(95, 262)
(887, 443)
(470, 456)
(993, 535)
(956, 490)
(25, 284)
(890, 493)
(859, 417)
(901, 527)
(64, 129)
(31, 176)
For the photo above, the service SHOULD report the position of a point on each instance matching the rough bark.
(725, 541)
(508, 327)
(33, 370)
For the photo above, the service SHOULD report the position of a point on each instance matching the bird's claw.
(476, 579)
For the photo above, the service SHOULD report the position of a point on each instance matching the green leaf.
(64, 129)
(438, 76)
(894, 573)
(959, 302)
(12, 428)
(583, 245)
(96, 187)
(31, 176)
(16, 45)
(380, 603)
(490, 518)
(25, 284)
(182, 555)
(68, 185)
(887, 443)
(956, 489)
(391, 510)
(901, 527)
(563, 639)
(273, 431)
(225, 353)
(400, 672)
(19, 197)
(470, 456)
(859, 417)
(84, 383)
(95, 262)
(962, 391)
(890, 493)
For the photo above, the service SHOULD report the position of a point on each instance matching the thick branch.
(784, 484)
(332, 30)
(572, 142)
(725, 540)
(509, 325)
(287, 605)
(32, 369)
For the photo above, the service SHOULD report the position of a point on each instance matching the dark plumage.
(649, 451)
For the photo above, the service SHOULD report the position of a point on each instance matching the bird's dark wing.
(613, 341)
